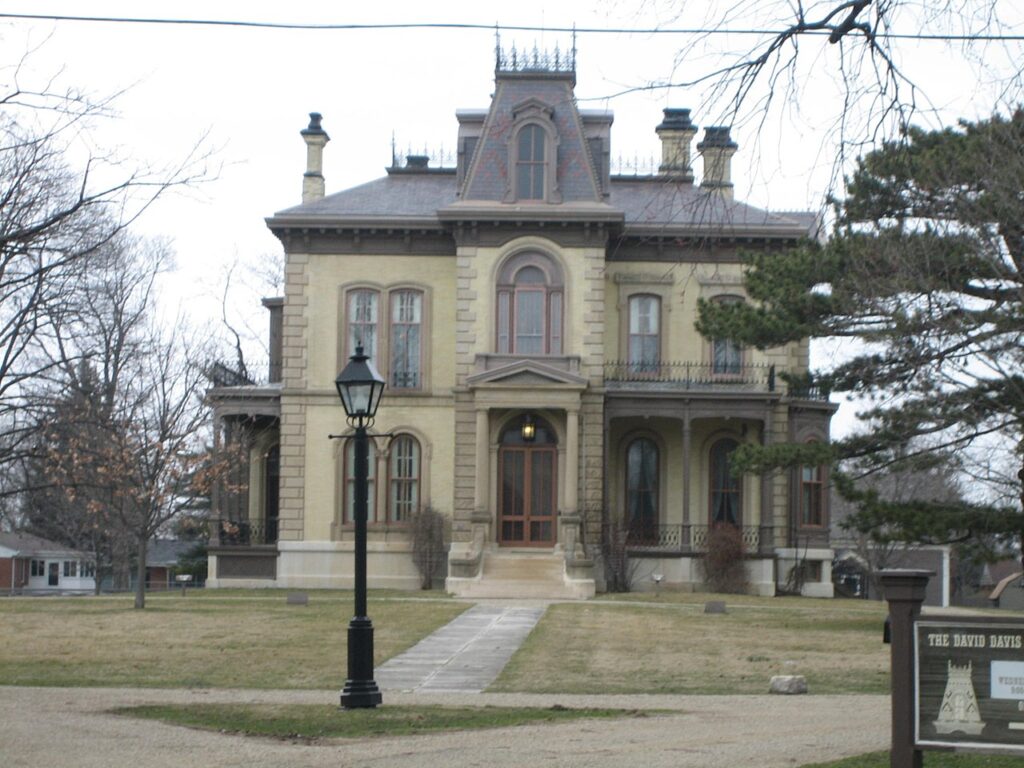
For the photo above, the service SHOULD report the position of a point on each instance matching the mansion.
(533, 316)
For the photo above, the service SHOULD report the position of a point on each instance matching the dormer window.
(530, 165)
(532, 151)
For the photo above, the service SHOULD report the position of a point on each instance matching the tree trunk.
(140, 573)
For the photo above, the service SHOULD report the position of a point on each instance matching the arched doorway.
(527, 485)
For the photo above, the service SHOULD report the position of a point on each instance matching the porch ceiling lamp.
(360, 387)
(529, 429)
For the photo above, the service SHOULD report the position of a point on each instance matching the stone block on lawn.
(714, 606)
(297, 598)
(788, 684)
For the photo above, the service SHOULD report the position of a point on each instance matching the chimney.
(276, 338)
(315, 138)
(676, 132)
(718, 149)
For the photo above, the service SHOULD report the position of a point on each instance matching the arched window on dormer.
(532, 154)
(529, 300)
(530, 163)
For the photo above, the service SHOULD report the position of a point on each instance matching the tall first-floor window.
(642, 486)
(404, 480)
(350, 482)
(811, 489)
(406, 324)
(726, 493)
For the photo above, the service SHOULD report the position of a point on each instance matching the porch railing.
(246, 533)
(690, 376)
(684, 539)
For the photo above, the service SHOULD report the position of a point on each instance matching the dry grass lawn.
(670, 645)
(206, 639)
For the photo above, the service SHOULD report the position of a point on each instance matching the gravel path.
(63, 726)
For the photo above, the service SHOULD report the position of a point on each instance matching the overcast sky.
(249, 92)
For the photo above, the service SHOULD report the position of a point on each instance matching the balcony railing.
(684, 539)
(246, 533)
(690, 376)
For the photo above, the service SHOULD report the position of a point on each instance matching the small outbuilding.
(32, 564)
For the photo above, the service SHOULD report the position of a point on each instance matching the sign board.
(969, 683)
(183, 577)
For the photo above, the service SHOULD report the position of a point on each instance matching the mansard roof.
(645, 203)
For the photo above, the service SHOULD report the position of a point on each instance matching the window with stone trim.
(726, 496)
(350, 482)
(642, 489)
(726, 354)
(363, 320)
(403, 478)
(406, 369)
(529, 306)
(644, 350)
(812, 496)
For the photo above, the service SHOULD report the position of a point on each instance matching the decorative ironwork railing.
(224, 374)
(688, 538)
(809, 392)
(246, 533)
(687, 376)
(535, 60)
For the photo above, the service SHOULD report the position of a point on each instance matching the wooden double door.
(527, 497)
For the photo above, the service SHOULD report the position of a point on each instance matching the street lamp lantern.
(360, 387)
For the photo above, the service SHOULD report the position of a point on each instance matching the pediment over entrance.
(526, 374)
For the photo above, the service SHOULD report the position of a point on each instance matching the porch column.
(686, 467)
(572, 460)
(767, 522)
(483, 455)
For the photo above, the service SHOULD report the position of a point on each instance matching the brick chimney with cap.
(315, 138)
(717, 148)
(676, 132)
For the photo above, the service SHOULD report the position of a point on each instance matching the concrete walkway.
(465, 655)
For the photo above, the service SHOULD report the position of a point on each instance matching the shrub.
(429, 552)
(619, 567)
(722, 566)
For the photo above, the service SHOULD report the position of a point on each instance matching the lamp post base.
(360, 691)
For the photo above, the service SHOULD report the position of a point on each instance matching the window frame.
(645, 528)
(413, 481)
(737, 492)
(509, 288)
(533, 113)
(816, 485)
(734, 352)
(348, 482)
(641, 366)
(351, 294)
(393, 296)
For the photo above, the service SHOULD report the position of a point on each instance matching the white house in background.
(31, 564)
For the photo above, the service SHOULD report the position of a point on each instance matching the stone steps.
(526, 575)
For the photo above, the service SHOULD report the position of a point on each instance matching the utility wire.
(489, 27)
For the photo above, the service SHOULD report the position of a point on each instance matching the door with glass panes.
(527, 488)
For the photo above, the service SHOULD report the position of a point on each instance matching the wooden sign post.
(957, 681)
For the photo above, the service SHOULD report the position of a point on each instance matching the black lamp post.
(360, 387)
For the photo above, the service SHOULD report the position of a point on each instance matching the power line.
(509, 27)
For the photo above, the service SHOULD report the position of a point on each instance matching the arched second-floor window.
(726, 496)
(529, 301)
(350, 482)
(642, 487)
(406, 370)
(403, 478)
(363, 320)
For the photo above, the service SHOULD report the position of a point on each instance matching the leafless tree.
(761, 60)
(56, 215)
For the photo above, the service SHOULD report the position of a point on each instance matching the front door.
(53, 574)
(527, 490)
